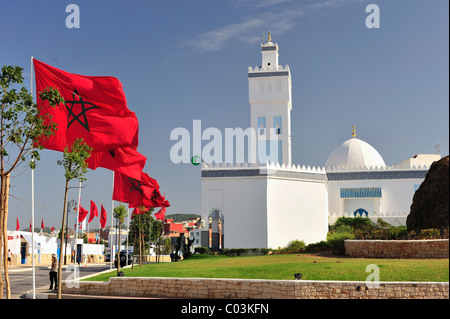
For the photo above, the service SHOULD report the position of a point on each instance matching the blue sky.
(185, 60)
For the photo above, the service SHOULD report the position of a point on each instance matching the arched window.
(360, 212)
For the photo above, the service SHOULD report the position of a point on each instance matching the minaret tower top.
(269, 52)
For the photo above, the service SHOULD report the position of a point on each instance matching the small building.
(201, 238)
(172, 229)
(20, 245)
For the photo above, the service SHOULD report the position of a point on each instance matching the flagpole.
(76, 228)
(112, 216)
(128, 230)
(100, 224)
(150, 238)
(88, 216)
(32, 199)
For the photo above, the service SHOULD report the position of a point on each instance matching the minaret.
(270, 100)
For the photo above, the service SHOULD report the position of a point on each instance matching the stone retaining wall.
(206, 288)
(409, 249)
(152, 259)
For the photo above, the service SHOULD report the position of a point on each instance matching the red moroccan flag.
(136, 211)
(53, 229)
(94, 212)
(95, 109)
(17, 223)
(30, 224)
(103, 217)
(137, 192)
(42, 223)
(161, 214)
(82, 213)
(123, 160)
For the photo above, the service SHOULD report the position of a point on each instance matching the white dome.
(354, 153)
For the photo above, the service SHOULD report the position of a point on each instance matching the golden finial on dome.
(269, 37)
(354, 134)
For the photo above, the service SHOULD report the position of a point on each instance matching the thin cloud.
(250, 28)
(216, 39)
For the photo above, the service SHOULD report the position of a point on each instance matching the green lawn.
(284, 267)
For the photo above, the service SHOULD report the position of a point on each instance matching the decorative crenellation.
(313, 169)
(393, 218)
(372, 215)
(376, 175)
(272, 68)
(267, 165)
(352, 168)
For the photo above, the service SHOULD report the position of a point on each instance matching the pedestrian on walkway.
(54, 273)
(9, 256)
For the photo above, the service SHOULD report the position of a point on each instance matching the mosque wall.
(395, 200)
(267, 206)
(296, 209)
(243, 203)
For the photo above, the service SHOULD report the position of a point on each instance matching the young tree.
(143, 221)
(120, 213)
(140, 231)
(20, 126)
(74, 163)
(157, 233)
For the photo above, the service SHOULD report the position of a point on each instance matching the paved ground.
(21, 279)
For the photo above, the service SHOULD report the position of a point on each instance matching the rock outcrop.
(430, 207)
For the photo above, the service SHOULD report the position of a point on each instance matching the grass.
(284, 266)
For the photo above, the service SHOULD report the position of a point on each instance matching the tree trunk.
(61, 254)
(140, 242)
(1, 236)
(118, 253)
(65, 240)
(4, 223)
(1, 245)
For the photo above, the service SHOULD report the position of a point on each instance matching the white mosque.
(268, 205)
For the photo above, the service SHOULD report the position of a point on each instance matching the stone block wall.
(408, 249)
(207, 288)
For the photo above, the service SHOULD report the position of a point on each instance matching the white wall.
(420, 159)
(397, 197)
(269, 111)
(296, 210)
(279, 89)
(397, 194)
(49, 245)
(92, 249)
(13, 242)
(268, 211)
(242, 201)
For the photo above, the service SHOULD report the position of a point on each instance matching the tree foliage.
(20, 127)
(74, 160)
(21, 123)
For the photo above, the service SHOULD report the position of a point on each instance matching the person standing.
(54, 273)
(9, 256)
